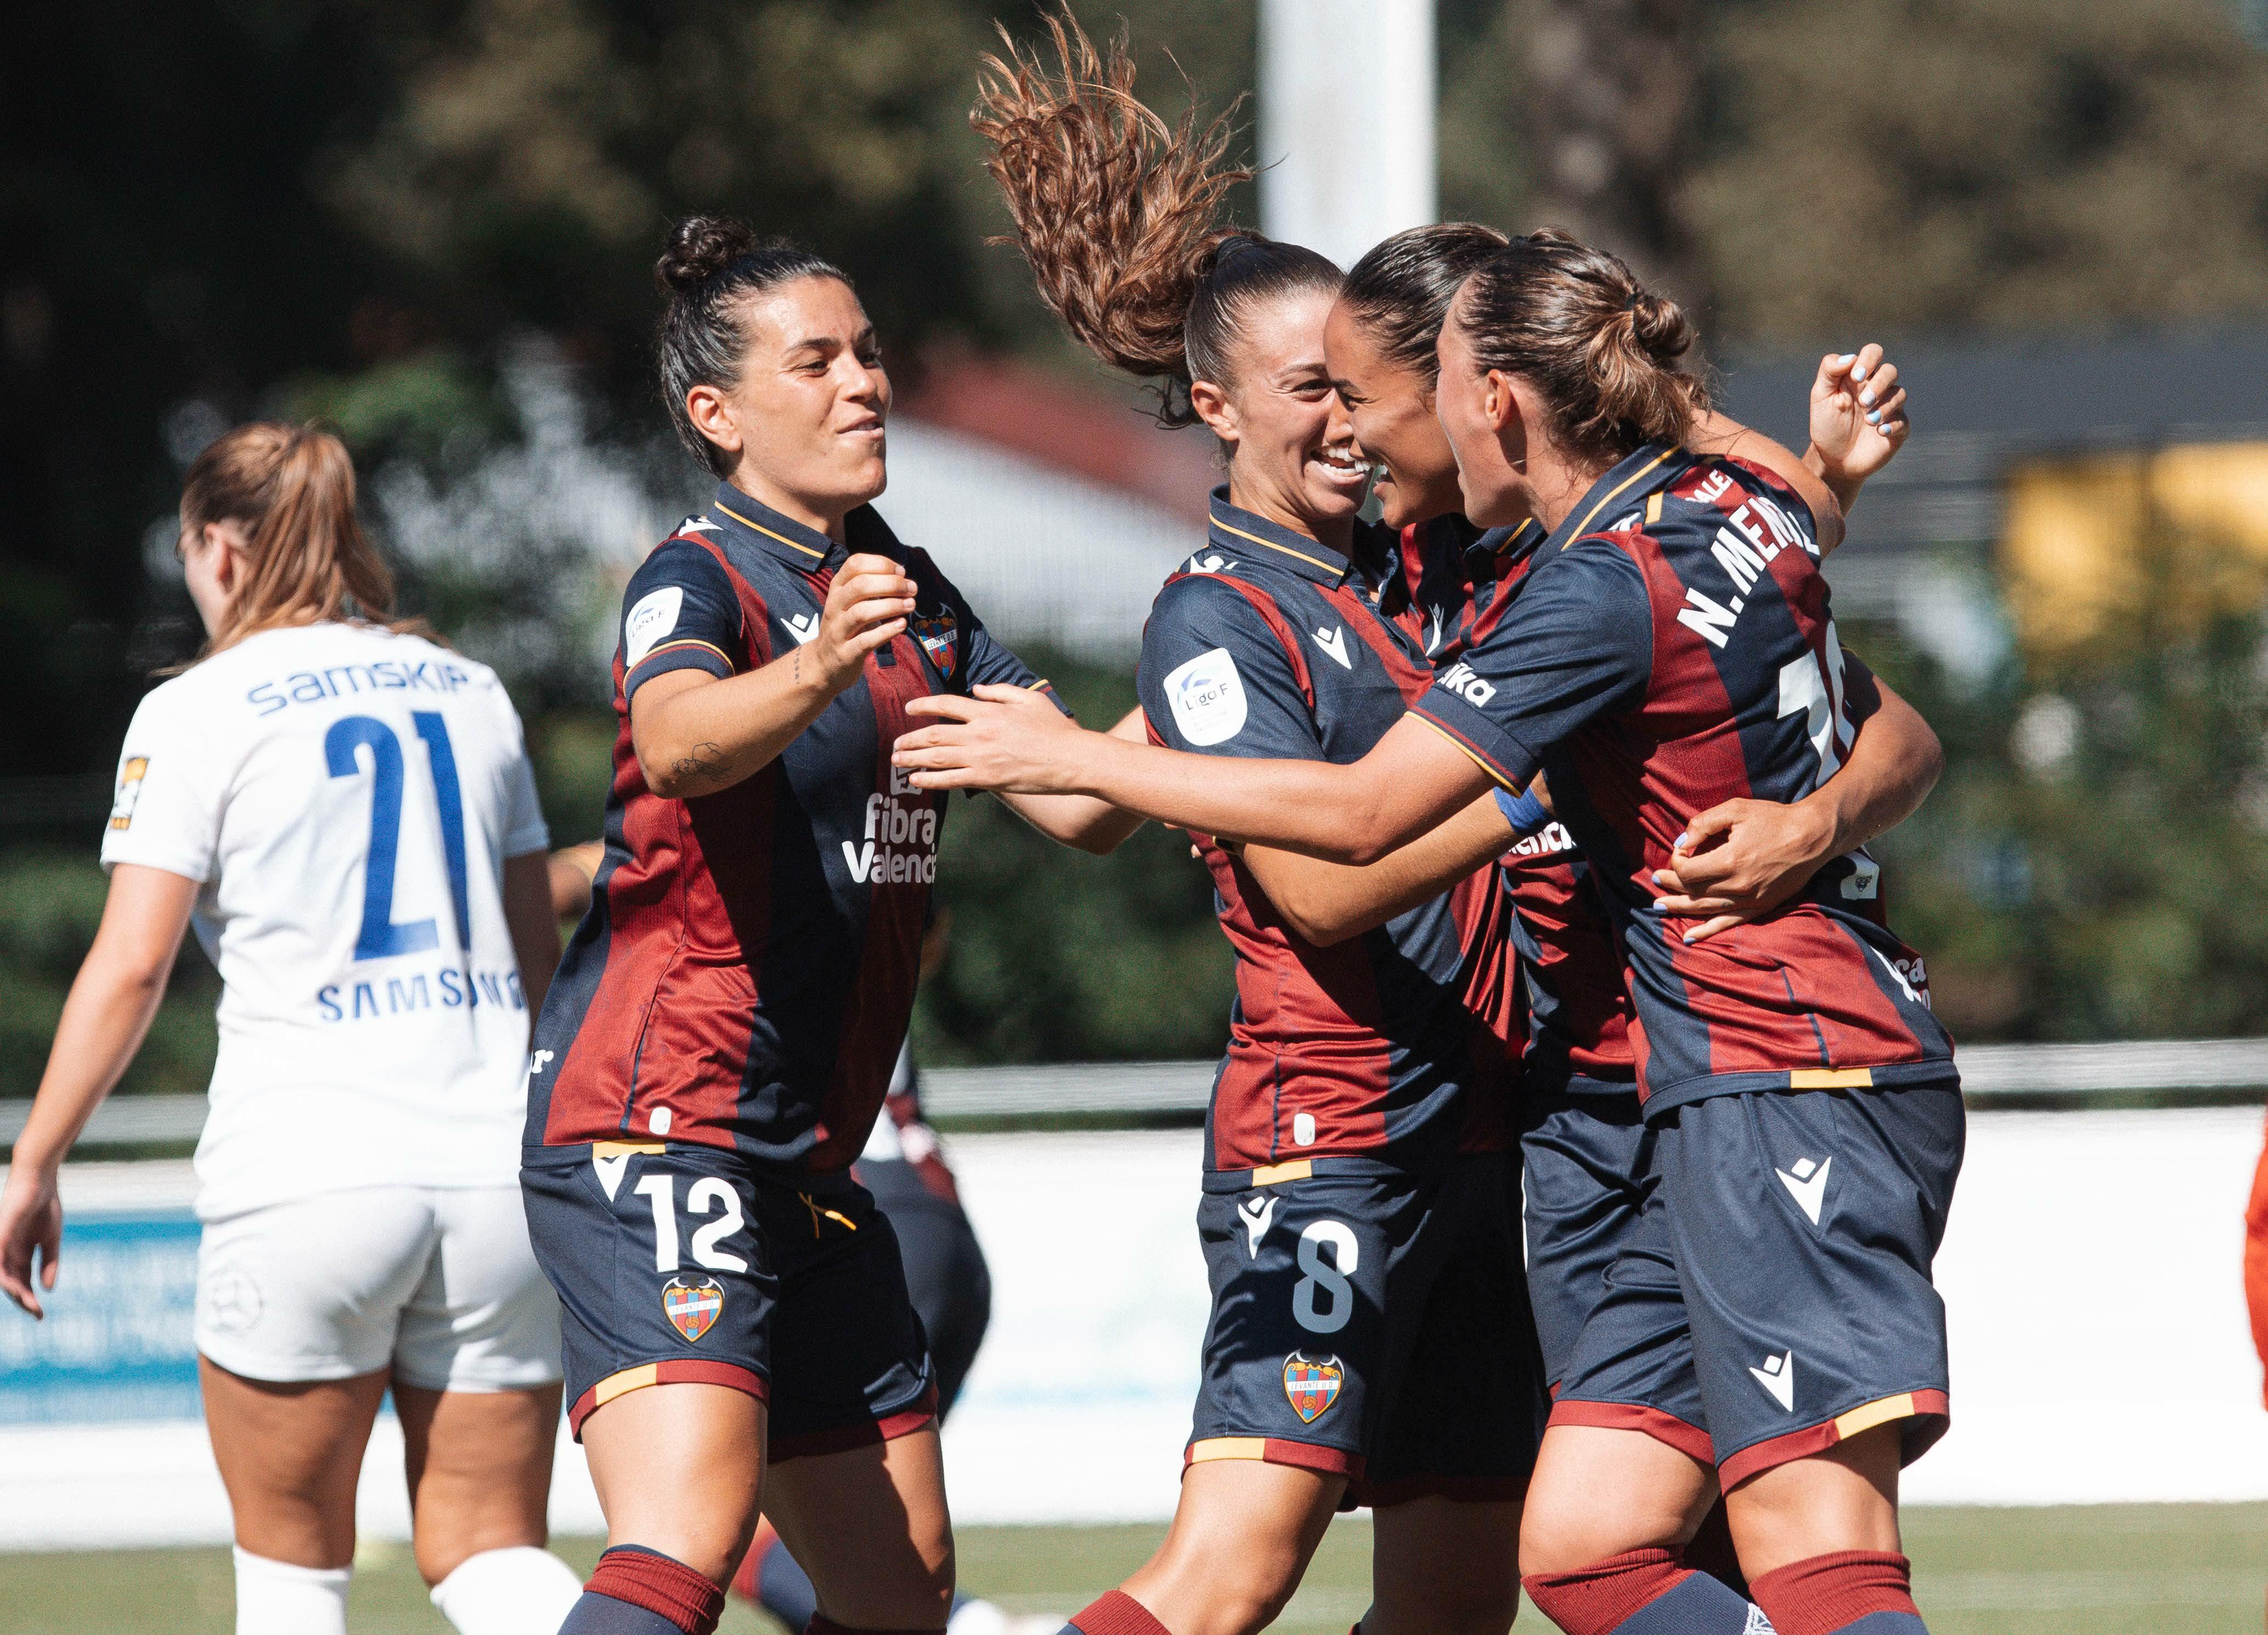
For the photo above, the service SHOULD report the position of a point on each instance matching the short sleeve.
(983, 659)
(1576, 643)
(990, 664)
(680, 612)
(172, 791)
(1215, 678)
(524, 829)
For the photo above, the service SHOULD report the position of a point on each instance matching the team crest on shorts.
(692, 1308)
(1312, 1385)
(937, 634)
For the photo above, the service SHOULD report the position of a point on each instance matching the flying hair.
(291, 489)
(1122, 216)
(1605, 353)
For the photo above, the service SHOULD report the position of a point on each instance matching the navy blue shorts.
(946, 1271)
(677, 1262)
(1371, 1323)
(1587, 1168)
(1777, 1289)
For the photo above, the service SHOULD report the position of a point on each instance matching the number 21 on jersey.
(381, 936)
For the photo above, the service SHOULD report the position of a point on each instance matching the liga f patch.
(692, 1308)
(1311, 1385)
(129, 791)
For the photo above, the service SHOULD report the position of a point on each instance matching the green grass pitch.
(2091, 1569)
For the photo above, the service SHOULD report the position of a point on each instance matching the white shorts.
(436, 1283)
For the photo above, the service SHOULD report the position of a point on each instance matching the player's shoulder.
(683, 557)
(1721, 492)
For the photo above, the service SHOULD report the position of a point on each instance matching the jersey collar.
(1502, 546)
(1233, 529)
(1654, 466)
(783, 536)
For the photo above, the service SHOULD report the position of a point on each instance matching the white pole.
(1346, 121)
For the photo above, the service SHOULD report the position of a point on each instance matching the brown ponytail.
(1122, 215)
(1603, 351)
(291, 489)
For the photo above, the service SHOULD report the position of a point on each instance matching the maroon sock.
(821, 1625)
(1711, 1552)
(1604, 1595)
(663, 1585)
(1117, 1613)
(1827, 1593)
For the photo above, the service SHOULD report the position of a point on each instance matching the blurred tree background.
(433, 222)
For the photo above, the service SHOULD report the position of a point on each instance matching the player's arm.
(1858, 424)
(112, 1001)
(569, 872)
(1080, 820)
(1742, 859)
(1328, 903)
(530, 916)
(697, 731)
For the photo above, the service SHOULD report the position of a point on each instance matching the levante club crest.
(1312, 1384)
(692, 1308)
(937, 634)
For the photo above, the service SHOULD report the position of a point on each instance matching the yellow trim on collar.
(1272, 545)
(747, 522)
(1584, 526)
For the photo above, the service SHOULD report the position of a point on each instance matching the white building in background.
(1347, 94)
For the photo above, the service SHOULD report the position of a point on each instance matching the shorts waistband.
(1935, 1073)
(1344, 1164)
(567, 1153)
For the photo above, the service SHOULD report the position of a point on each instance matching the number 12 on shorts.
(707, 1196)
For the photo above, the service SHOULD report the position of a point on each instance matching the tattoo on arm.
(707, 760)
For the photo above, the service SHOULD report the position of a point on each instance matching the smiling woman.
(1358, 1214)
(733, 1001)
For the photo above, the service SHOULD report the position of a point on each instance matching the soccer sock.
(637, 1591)
(1642, 1593)
(276, 1598)
(1848, 1591)
(1117, 1613)
(519, 1590)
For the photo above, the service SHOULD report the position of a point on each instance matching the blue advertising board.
(117, 1341)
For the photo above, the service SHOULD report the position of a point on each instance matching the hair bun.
(700, 247)
(1659, 326)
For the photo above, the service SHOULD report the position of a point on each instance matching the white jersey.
(346, 797)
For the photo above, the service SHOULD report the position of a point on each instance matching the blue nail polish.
(1867, 398)
(1858, 373)
(1873, 417)
(1847, 357)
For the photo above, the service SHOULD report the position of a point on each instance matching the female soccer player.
(1586, 1154)
(1672, 650)
(344, 810)
(737, 1333)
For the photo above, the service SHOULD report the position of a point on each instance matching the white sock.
(276, 1598)
(517, 1591)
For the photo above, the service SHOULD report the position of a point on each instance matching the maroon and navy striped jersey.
(745, 971)
(1672, 649)
(1567, 979)
(1270, 644)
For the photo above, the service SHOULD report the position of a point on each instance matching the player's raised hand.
(1013, 739)
(868, 602)
(1738, 861)
(1857, 416)
(31, 1219)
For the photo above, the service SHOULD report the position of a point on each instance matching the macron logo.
(1808, 1184)
(1758, 1624)
(802, 626)
(1334, 644)
(1257, 1216)
(1778, 1377)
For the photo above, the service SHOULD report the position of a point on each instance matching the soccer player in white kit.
(344, 810)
